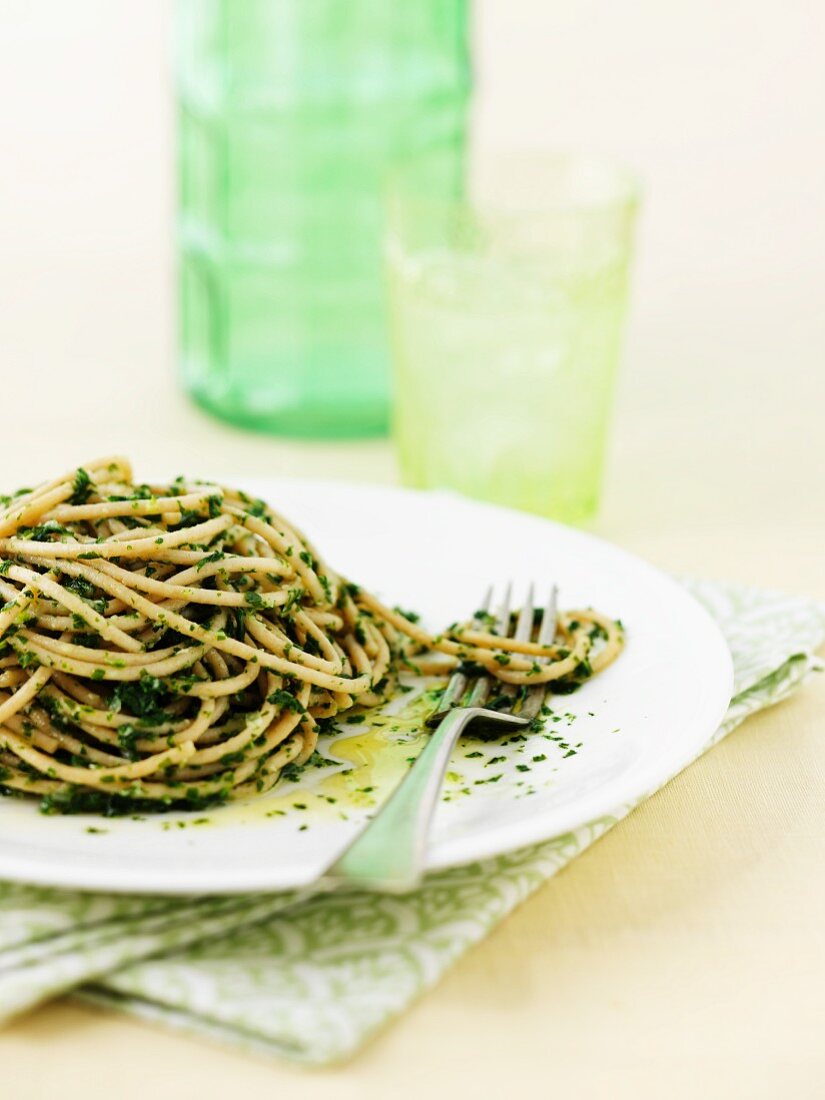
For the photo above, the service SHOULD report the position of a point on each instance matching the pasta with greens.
(178, 645)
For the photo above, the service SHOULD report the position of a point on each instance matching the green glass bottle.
(290, 113)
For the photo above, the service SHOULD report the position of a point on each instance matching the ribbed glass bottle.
(290, 113)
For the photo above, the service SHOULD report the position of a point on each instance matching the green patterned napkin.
(312, 980)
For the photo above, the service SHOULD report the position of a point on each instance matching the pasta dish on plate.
(178, 645)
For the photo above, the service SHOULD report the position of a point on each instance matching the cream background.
(685, 954)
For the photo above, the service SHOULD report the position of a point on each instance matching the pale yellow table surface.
(684, 955)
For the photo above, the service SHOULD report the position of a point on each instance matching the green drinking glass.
(507, 302)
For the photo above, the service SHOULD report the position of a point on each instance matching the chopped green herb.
(81, 487)
(286, 701)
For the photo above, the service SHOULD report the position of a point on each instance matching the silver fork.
(388, 855)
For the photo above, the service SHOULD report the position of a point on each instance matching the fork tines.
(470, 686)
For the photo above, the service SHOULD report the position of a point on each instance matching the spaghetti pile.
(178, 645)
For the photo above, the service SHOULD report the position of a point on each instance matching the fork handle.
(388, 855)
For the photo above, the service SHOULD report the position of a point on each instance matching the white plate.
(635, 725)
